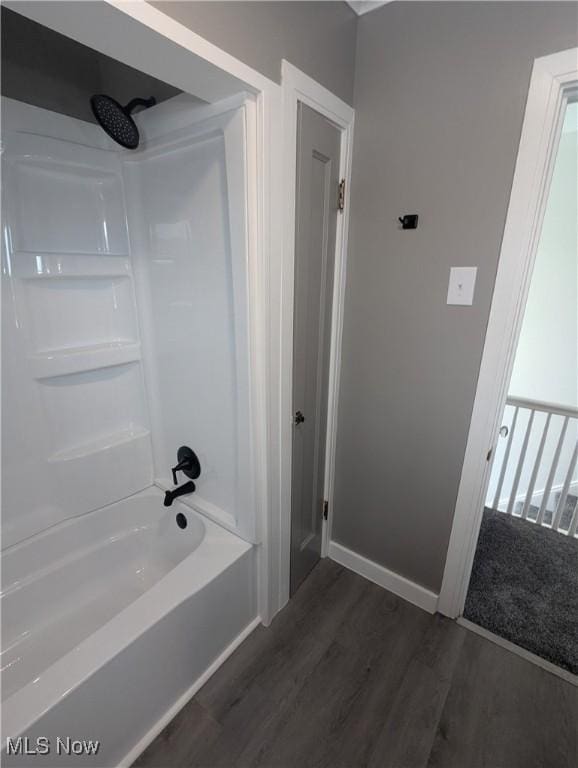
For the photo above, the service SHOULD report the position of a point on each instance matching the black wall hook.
(409, 221)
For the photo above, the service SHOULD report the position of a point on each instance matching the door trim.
(553, 81)
(299, 87)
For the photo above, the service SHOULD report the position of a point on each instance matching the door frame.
(554, 82)
(298, 87)
(144, 37)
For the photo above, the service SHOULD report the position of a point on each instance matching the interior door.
(317, 196)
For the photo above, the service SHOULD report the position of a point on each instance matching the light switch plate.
(461, 286)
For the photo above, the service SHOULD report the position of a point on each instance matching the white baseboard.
(399, 585)
(163, 721)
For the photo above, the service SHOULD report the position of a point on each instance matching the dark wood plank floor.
(349, 675)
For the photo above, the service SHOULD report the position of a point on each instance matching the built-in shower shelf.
(105, 443)
(63, 362)
(29, 265)
(107, 273)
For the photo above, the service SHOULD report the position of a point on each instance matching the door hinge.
(341, 195)
(325, 510)
(489, 454)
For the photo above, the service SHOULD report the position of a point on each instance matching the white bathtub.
(111, 620)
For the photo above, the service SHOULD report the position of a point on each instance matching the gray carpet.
(524, 587)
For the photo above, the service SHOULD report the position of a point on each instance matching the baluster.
(553, 468)
(536, 468)
(565, 488)
(574, 522)
(521, 459)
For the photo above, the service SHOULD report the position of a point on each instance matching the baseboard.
(569, 677)
(163, 721)
(399, 585)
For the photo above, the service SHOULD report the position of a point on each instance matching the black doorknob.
(299, 418)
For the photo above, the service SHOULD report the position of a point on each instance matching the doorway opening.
(316, 211)
(524, 583)
(517, 490)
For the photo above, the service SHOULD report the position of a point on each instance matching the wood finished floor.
(349, 675)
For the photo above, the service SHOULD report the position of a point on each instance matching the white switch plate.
(461, 286)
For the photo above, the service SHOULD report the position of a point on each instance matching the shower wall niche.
(125, 312)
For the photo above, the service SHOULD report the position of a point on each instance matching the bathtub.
(111, 621)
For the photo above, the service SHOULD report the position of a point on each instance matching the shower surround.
(125, 336)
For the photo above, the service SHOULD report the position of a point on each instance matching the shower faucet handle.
(182, 465)
(188, 463)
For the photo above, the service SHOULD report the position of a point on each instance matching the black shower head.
(116, 119)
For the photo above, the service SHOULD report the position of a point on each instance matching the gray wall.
(48, 70)
(439, 95)
(317, 37)
(51, 71)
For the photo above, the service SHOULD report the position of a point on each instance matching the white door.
(317, 197)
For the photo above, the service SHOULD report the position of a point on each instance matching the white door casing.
(554, 81)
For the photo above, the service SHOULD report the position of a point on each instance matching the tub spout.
(170, 496)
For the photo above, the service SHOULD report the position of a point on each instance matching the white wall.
(546, 366)
(186, 192)
(91, 366)
(75, 432)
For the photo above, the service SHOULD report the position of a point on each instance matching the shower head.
(116, 120)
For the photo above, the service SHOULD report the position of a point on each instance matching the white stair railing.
(542, 453)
